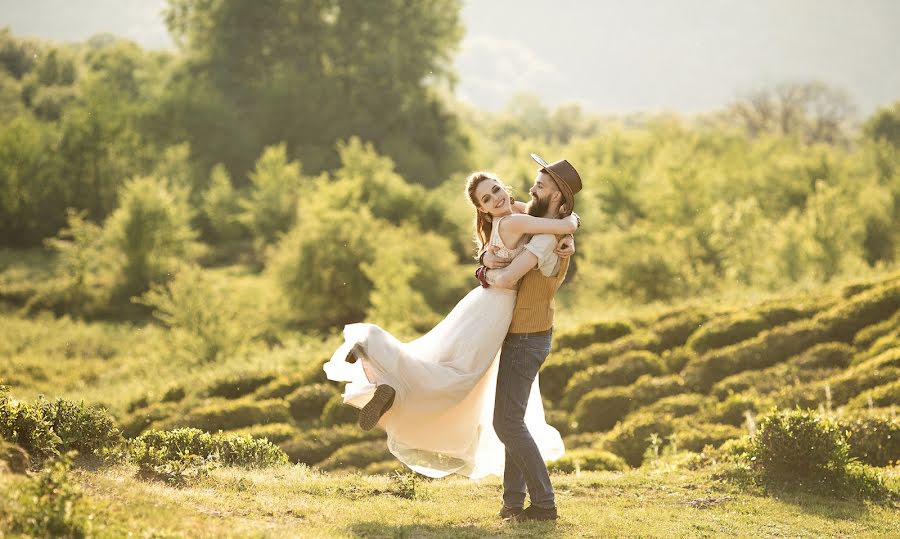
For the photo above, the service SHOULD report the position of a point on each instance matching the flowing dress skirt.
(441, 420)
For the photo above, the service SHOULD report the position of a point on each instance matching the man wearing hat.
(527, 344)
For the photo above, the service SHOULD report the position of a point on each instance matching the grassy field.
(296, 501)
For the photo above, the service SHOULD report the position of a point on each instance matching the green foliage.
(13, 458)
(600, 409)
(314, 445)
(884, 125)
(271, 206)
(308, 402)
(51, 505)
(218, 414)
(619, 371)
(151, 231)
(141, 418)
(208, 320)
(237, 384)
(226, 448)
(588, 460)
(357, 455)
(630, 438)
(883, 395)
(733, 409)
(337, 413)
(691, 435)
(726, 331)
(222, 207)
(825, 356)
(801, 449)
(273, 432)
(593, 332)
(873, 440)
(677, 405)
(674, 331)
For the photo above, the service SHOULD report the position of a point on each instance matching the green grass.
(296, 501)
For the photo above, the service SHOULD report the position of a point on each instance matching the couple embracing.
(464, 398)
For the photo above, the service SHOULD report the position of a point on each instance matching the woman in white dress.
(434, 396)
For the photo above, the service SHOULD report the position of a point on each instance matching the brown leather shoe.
(373, 410)
(533, 512)
(354, 354)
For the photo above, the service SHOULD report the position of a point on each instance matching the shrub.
(690, 435)
(175, 393)
(619, 371)
(51, 505)
(593, 332)
(337, 413)
(677, 405)
(649, 388)
(767, 381)
(880, 370)
(867, 336)
(725, 331)
(782, 311)
(676, 358)
(766, 349)
(883, 395)
(630, 438)
(561, 366)
(358, 455)
(228, 449)
(801, 448)
(13, 458)
(141, 419)
(799, 445)
(90, 431)
(271, 206)
(314, 445)
(588, 460)
(676, 330)
(308, 402)
(237, 385)
(273, 432)
(873, 440)
(733, 409)
(229, 415)
(29, 428)
(559, 420)
(600, 409)
(846, 319)
(830, 355)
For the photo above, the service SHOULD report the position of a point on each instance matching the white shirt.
(542, 246)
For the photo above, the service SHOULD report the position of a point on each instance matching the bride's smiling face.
(492, 198)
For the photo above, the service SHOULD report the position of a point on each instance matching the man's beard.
(538, 207)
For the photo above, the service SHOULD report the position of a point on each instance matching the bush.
(229, 415)
(273, 432)
(51, 505)
(733, 409)
(588, 460)
(676, 358)
(873, 440)
(619, 371)
(338, 413)
(13, 458)
(690, 435)
(90, 431)
(314, 445)
(675, 331)
(237, 385)
(802, 449)
(593, 332)
(867, 336)
(155, 447)
(846, 319)
(29, 428)
(308, 402)
(600, 409)
(649, 389)
(725, 331)
(141, 419)
(677, 405)
(766, 349)
(830, 355)
(880, 370)
(358, 455)
(883, 395)
(630, 438)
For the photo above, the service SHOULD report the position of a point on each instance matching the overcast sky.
(611, 56)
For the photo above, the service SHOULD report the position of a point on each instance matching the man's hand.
(493, 261)
(565, 248)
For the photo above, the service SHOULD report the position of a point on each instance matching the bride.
(434, 396)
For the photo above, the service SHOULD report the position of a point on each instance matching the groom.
(527, 344)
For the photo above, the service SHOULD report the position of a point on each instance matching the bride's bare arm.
(528, 224)
(508, 277)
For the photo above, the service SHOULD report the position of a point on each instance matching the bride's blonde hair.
(483, 224)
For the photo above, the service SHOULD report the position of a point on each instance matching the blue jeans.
(520, 359)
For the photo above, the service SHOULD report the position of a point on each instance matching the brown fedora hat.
(566, 178)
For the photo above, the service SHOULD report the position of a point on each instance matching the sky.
(610, 56)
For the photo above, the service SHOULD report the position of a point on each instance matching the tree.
(311, 72)
(885, 125)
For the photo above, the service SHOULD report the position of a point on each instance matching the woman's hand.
(492, 261)
(565, 247)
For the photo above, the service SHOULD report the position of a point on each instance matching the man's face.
(541, 193)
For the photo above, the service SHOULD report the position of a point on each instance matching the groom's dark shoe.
(533, 512)
(373, 410)
(506, 512)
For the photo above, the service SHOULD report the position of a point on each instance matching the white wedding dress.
(441, 421)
